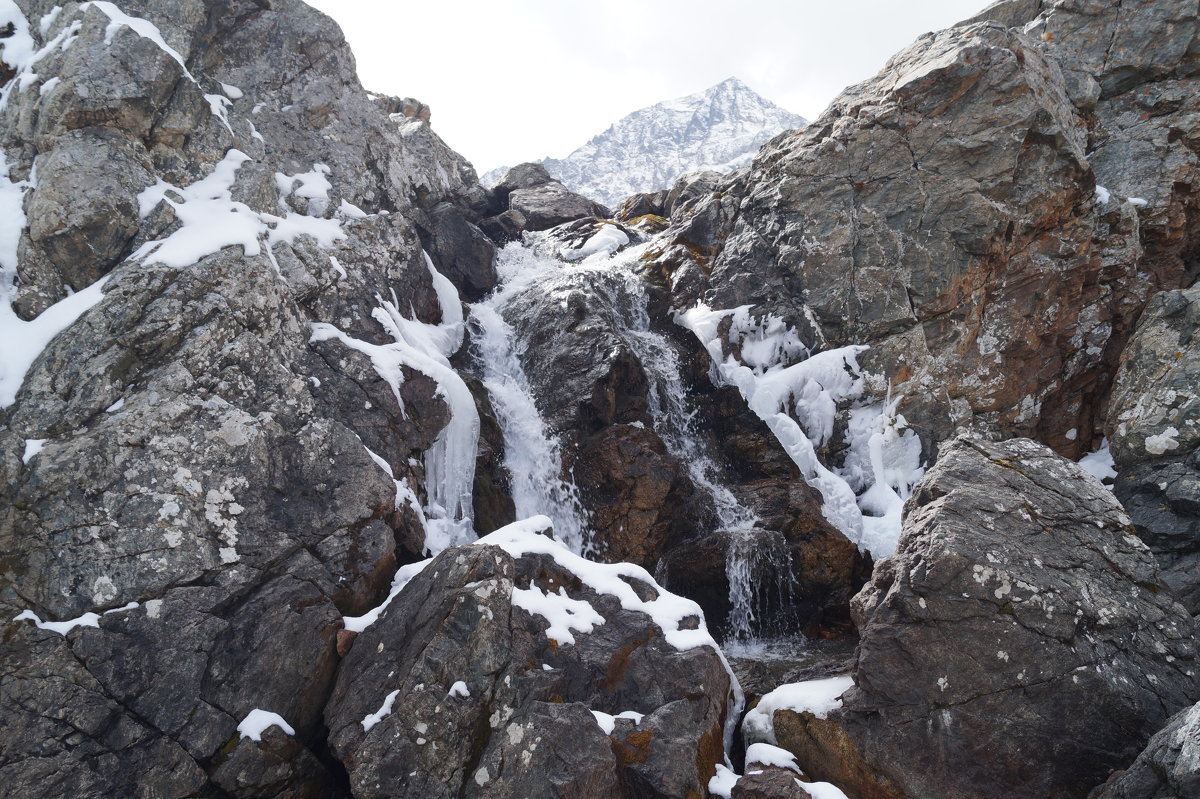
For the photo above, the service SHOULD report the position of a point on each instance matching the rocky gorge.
(870, 469)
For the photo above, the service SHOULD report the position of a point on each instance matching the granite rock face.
(1019, 641)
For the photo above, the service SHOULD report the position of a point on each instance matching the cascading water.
(533, 455)
(750, 578)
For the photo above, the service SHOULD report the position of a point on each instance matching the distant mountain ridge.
(720, 128)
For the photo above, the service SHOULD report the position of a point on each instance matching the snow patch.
(64, 627)
(403, 577)
(769, 755)
(722, 782)
(604, 242)
(1099, 464)
(459, 689)
(817, 697)
(211, 220)
(32, 447)
(561, 612)
(257, 721)
(1160, 443)
(371, 719)
(608, 723)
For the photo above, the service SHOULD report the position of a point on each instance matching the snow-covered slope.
(720, 128)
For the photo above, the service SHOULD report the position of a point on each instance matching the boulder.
(1018, 643)
(522, 176)
(462, 252)
(768, 782)
(1154, 436)
(512, 668)
(550, 204)
(639, 205)
(1168, 768)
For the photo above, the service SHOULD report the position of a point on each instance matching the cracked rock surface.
(1018, 643)
(528, 701)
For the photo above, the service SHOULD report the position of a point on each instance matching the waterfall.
(533, 454)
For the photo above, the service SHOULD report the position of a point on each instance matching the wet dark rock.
(491, 493)
(462, 252)
(504, 227)
(1019, 641)
(1168, 768)
(277, 767)
(636, 493)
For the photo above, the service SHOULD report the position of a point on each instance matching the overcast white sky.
(516, 80)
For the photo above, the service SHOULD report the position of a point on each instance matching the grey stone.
(1154, 429)
(552, 204)
(521, 721)
(1018, 642)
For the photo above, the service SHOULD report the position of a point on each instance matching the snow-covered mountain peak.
(719, 128)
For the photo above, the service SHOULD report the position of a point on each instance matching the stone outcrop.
(1154, 435)
(531, 696)
(193, 450)
(1019, 641)
(261, 409)
(990, 214)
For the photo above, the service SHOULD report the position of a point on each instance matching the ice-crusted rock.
(614, 379)
(719, 129)
(512, 668)
(990, 213)
(1154, 421)
(1019, 642)
(1169, 767)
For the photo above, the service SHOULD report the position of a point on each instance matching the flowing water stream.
(533, 453)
